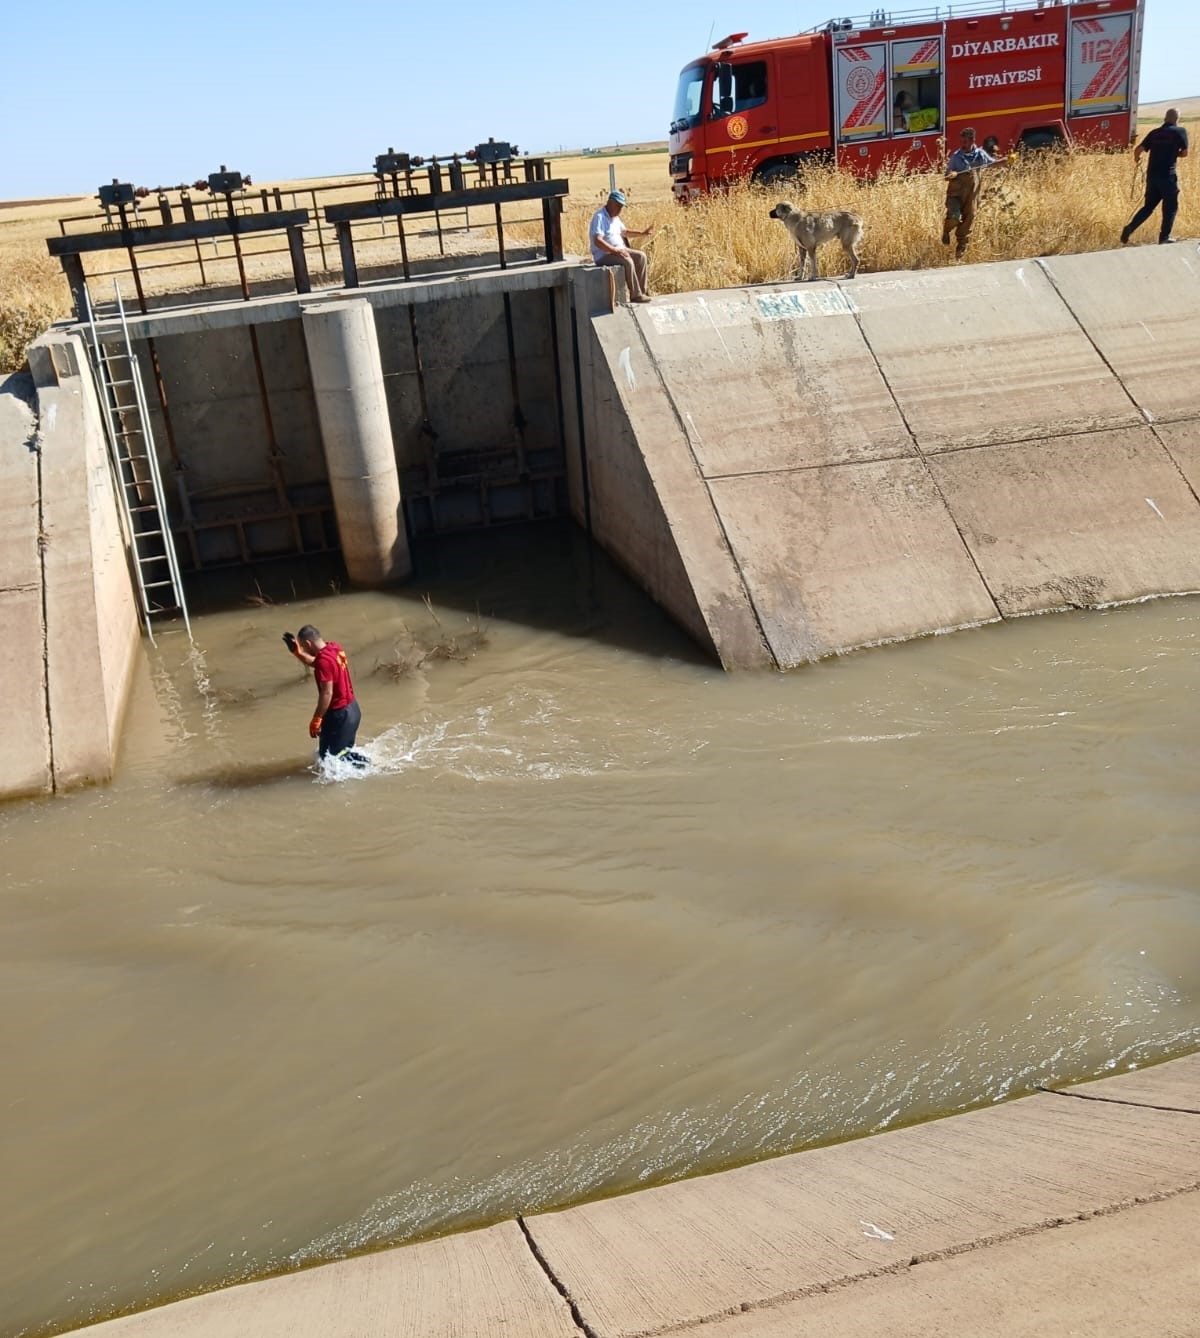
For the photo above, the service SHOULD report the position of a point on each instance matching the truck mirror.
(724, 98)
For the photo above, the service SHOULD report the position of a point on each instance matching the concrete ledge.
(70, 603)
(484, 1284)
(1102, 1275)
(697, 1250)
(966, 1225)
(25, 768)
(234, 314)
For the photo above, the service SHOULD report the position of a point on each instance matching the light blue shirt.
(970, 160)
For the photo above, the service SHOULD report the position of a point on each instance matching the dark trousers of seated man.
(637, 268)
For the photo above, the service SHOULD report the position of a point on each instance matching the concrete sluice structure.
(791, 471)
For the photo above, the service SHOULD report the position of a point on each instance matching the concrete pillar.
(347, 378)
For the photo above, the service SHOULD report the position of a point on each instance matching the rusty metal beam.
(120, 238)
(389, 207)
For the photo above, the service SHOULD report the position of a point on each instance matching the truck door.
(742, 121)
(1100, 68)
(916, 105)
(860, 92)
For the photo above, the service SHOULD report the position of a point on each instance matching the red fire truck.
(890, 88)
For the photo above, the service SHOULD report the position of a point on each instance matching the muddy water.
(600, 916)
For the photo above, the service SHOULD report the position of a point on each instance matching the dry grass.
(1045, 205)
(33, 295)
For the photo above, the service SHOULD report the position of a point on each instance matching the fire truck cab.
(892, 88)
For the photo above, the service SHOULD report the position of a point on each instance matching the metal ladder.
(134, 462)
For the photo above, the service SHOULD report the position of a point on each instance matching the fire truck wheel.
(1032, 140)
(778, 174)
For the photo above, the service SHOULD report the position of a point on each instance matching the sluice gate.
(791, 471)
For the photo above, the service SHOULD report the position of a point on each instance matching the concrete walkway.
(1071, 1212)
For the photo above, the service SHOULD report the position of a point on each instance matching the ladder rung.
(158, 585)
(148, 506)
(148, 534)
(111, 382)
(146, 559)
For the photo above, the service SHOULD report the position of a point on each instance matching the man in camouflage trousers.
(962, 188)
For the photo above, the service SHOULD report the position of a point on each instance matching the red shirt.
(331, 666)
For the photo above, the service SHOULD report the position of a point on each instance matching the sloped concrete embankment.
(1068, 1211)
(801, 470)
(67, 606)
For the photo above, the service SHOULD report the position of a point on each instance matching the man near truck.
(1165, 144)
(962, 188)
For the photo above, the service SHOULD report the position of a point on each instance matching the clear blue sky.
(167, 93)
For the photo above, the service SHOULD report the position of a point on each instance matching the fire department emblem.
(737, 127)
(860, 82)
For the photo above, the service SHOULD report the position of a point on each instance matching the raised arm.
(294, 646)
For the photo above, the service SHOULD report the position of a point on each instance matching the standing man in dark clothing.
(1164, 144)
(336, 719)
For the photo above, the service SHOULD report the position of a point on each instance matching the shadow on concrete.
(545, 575)
(18, 405)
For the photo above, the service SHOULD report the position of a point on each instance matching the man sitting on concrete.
(606, 237)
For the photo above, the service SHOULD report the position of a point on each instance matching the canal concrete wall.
(66, 600)
(26, 767)
(285, 426)
(1071, 1210)
(792, 471)
(809, 469)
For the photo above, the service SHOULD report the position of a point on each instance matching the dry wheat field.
(1044, 204)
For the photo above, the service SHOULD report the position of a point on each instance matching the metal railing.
(886, 18)
(210, 256)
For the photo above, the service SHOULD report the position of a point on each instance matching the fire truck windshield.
(688, 98)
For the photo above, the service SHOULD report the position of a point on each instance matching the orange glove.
(314, 727)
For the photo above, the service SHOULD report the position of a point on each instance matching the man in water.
(336, 719)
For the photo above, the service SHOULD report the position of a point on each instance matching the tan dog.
(812, 230)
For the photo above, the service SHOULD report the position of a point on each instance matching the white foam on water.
(523, 736)
(333, 770)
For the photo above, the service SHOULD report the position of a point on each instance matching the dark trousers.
(339, 729)
(1159, 190)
